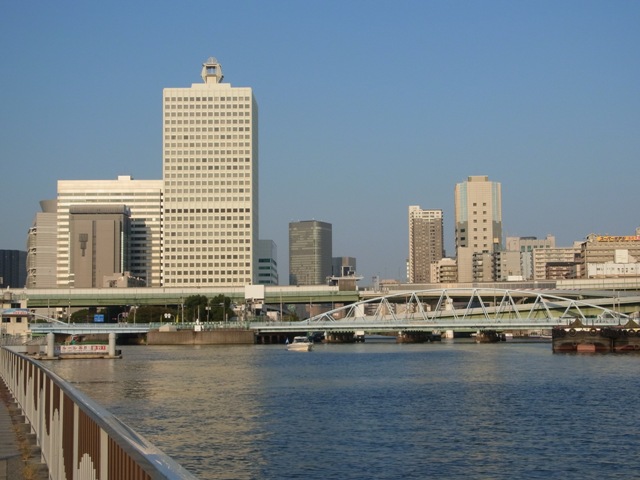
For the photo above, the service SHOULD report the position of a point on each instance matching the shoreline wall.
(212, 337)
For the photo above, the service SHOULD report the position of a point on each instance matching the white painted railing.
(80, 439)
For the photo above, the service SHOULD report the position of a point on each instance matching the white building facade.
(142, 197)
(210, 174)
(544, 256)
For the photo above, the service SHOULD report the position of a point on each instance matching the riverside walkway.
(14, 441)
(10, 459)
(71, 434)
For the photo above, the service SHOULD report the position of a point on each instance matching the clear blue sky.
(366, 107)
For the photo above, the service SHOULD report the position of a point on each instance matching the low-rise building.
(444, 271)
(543, 256)
(526, 246)
(507, 266)
(604, 256)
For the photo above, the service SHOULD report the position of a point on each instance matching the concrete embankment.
(209, 337)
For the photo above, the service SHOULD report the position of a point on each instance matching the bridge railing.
(79, 438)
(89, 328)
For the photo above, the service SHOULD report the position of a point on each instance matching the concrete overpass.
(62, 298)
(56, 298)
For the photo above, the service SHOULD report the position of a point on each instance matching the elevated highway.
(102, 297)
(62, 298)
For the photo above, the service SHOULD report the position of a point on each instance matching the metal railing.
(97, 328)
(79, 438)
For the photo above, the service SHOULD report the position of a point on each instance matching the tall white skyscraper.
(210, 173)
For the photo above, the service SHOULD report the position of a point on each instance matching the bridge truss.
(461, 308)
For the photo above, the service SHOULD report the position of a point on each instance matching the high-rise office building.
(41, 247)
(426, 242)
(478, 215)
(267, 262)
(210, 173)
(310, 252)
(13, 268)
(142, 197)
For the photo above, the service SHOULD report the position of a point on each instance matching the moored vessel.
(581, 338)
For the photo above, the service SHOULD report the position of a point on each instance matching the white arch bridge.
(466, 309)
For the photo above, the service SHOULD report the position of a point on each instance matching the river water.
(377, 410)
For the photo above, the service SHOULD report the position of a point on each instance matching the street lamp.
(71, 277)
(224, 312)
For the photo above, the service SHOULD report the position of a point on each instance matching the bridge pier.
(407, 336)
(112, 344)
(340, 337)
(51, 339)
(271, 338)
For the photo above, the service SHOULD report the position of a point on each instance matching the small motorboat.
(300, 344)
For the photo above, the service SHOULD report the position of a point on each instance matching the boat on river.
(300, 344)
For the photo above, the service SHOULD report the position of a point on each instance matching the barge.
(489, 336)
(581, 338)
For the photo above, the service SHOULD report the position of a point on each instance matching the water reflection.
(373, 411)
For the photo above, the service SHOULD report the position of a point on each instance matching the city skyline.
(355, 126)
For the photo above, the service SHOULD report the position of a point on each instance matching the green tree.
(151, 313)
(195, 307)
(82, 316)
(292, 316)
(87, 315)
(219, 306)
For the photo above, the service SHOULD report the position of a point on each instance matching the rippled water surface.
(377, 410)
